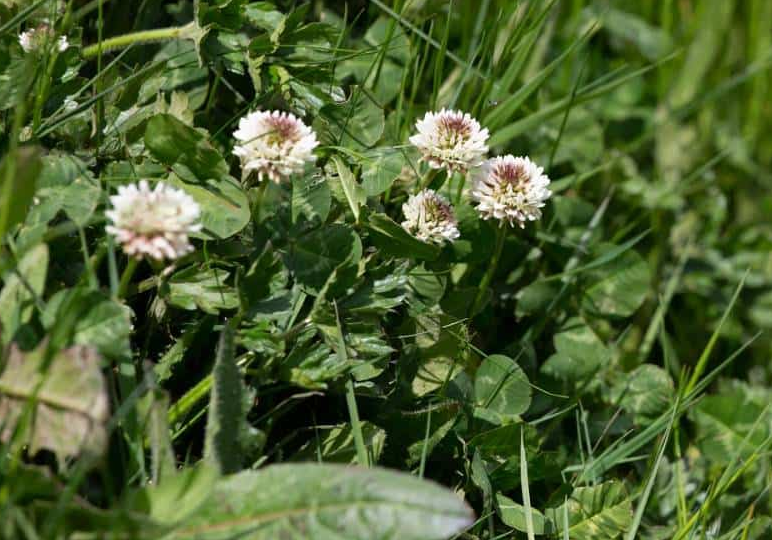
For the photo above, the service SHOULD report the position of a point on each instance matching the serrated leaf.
(71, 405)
(326, 502)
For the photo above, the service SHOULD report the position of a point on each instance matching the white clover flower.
(36, 38)
(429, 217)
(154, 223)
(450, 139)
(510, 188)
(274, 144)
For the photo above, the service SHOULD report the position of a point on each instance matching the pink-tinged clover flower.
(512, 189)
(274, 144)
(155, 222)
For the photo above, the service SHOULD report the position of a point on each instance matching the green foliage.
(311, 369)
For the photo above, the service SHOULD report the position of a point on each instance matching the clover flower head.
(452, 140)
(510, 188)
(35, 39)
(274, 144)
(153, 222)
(429, 217)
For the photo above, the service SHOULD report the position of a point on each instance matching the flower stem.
(128, 273)
(145, 36)
(426, 181)
(501, 234)
(258, 202)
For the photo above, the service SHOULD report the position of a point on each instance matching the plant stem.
(259, 200)
(128, 273)
(501, 234)
(356, 425)
(430, 175)
(145, 36)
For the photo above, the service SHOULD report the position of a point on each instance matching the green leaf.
(336, 444)
(354, 193)
(226, 419)
(102, 323)
(357, 123)
(70, 407)
(65, 182)
(380, 170)
(19, 172)
(224, 205)
(619, 287)
(579, 353)
(737, 420)
(311, 198)
(183, 148)
(513, 515)
(652, 42)
(601, 512)
(395, 241)
(326, 502)
(16, 300)
(501, 390)
(315, 256)
(646, 392)
(200, 288)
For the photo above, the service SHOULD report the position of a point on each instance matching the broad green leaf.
(601, 512)
(313, 257)
(205, 289)
(501, 390)
(395, 241)
(737, 420)
(224, 205)
(579, 353)
(311, 198)
(356, 123)
(103, 323)
(619, 287)
(19, 172)
(380, 170)
(174, 144)
(225, 422)
(16, 300)
(71, 405)
(326, 502)
(65, 182)
(646, 392)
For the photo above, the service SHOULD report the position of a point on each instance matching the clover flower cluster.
(35, 39)
(276, 145)
(506, 188)
(153, 223)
